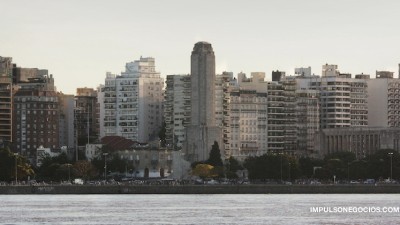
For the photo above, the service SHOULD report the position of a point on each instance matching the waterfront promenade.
(203, 189)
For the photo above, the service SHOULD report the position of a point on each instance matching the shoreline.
(202, 189)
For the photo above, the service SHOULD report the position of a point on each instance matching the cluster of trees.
(342, 165)
(213, 167)
(59, 168)
(12, 165)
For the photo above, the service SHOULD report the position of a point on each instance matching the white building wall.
(384, 105)
(177, 109)
(133, 102)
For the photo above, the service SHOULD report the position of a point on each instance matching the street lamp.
(16, 168)
(105, 166)
(391, 165)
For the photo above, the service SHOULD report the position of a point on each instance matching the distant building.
(384, 102)
(361, 141)
(307, 121)
(278, 75)
(86, 116)
(36, 114)
(343, 100)
(132, 102)
(225, 83)
(177, 110)
(303, 72)
(6, 106)
(67, 120)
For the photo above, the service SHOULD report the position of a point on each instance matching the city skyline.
(81, 41)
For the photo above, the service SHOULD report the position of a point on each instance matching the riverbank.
(202, 189)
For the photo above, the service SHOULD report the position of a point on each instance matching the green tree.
(7, 166)
(307, 165)
(54, 168)
(232, 167)
(215, 160)
(272, 166)
(215, 156)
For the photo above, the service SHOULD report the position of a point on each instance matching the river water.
(200, 209)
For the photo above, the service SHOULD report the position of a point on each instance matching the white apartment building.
(275, 117)
(384, 101)
(133, 102)
(343, 100)
(225, 83)
(246, 110)
(307, 120)
(177, 109)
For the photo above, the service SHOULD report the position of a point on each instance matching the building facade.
(343, 100)
(361, 141)
(384, 102)
(6, 104)
(36, 121)
(66, 120)
(307, 121)
(177, 110)
(86, 116)
(133, 102)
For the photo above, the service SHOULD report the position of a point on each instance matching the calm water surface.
(193, 209)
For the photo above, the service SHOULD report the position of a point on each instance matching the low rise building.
(361, 141)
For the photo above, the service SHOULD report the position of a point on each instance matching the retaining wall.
(201, 189)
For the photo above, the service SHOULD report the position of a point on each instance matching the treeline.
(342, 165)
(278, 167)
(59, 168)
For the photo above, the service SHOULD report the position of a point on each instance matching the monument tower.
(202, 131)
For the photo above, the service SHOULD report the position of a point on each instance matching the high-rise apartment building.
(384, 101)
(276, 117)
(66, 120)
(225, 83)
(247, 133)
(289, 85)
(6, 106)
(202, 131)
(132, 106)
(343, 100)
(36, 113)
(307, 121)
(86, 116)
(177, 110)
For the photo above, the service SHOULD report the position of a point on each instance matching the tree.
(307, 165)
(232, 167)
(203, 171)
(85, 169)
(272, 166)
(215, 156)
(54, 168)
(7, 166)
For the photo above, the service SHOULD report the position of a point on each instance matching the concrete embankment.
(201, 189)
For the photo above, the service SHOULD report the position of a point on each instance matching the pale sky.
(78, 41)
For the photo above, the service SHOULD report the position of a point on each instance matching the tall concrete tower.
(203, 84)
(202, 131)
